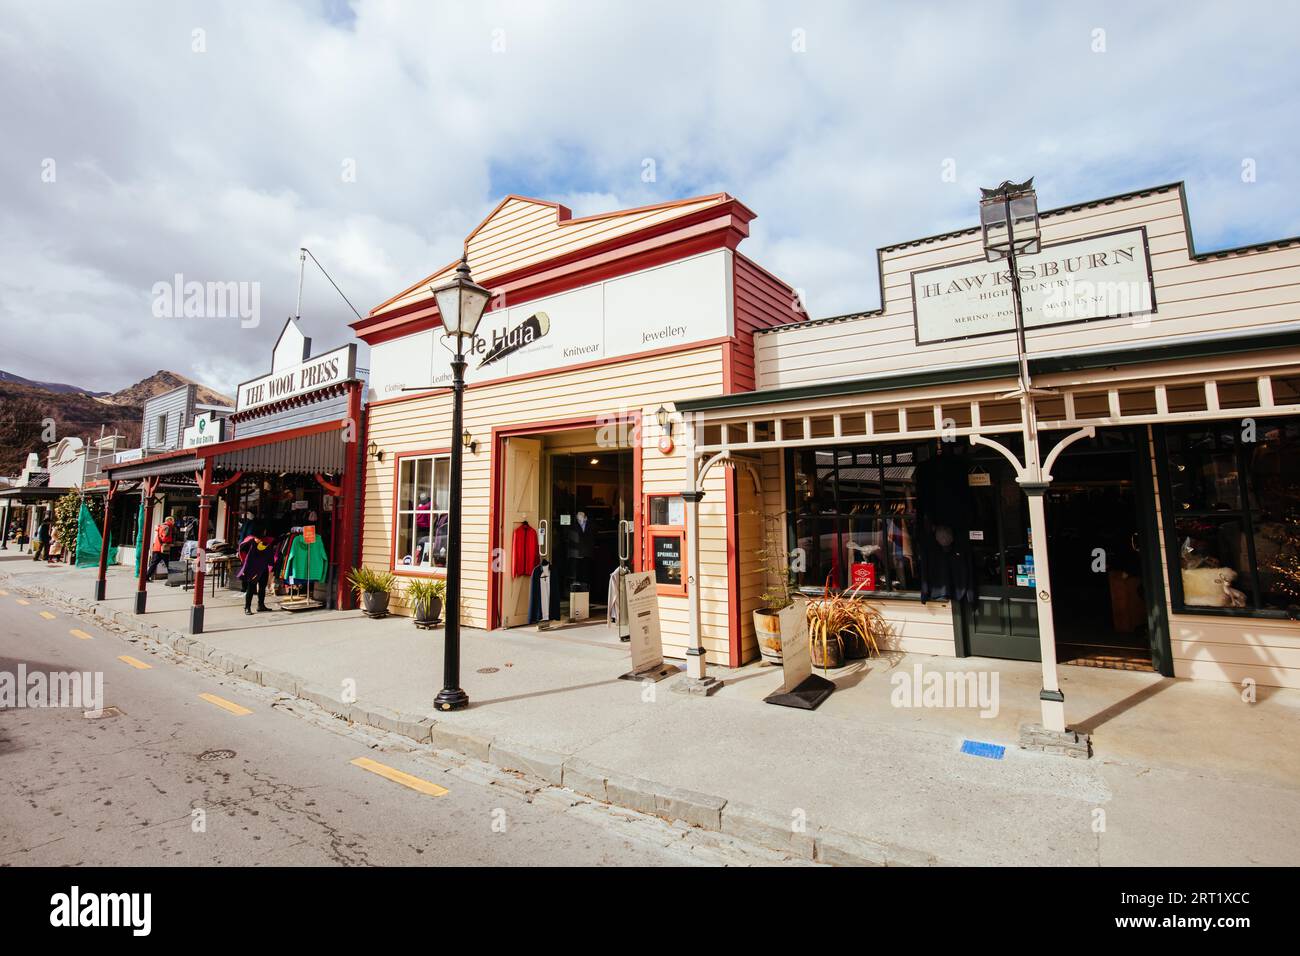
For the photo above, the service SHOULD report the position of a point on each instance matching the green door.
(1003, 621)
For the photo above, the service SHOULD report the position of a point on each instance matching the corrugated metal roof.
(180, 465)
(305, 455)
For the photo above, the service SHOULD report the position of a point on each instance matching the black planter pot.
(374, 603)
(428, 613)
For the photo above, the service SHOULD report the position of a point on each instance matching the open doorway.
(569, 501)
(1094, 546)
(591, 505)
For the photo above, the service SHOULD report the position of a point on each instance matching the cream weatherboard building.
(597, 323)
(1173, 511)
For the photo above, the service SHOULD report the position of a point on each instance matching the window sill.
(405, 571)
(914, 596)
(1232, 612)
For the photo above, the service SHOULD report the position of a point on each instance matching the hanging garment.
(611, 601)
(306, 561)
(539, 594)
(523, 551)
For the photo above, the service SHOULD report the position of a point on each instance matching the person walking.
(163, 537)
(41, 547)
(258, 552)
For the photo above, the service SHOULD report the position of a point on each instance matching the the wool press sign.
(206, 430)
(1101, 277)
(327, 369)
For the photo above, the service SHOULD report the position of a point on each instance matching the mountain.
(57, 387)
(27, 407)
(164, 381)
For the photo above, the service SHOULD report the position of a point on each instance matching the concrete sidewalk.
(1185, 773)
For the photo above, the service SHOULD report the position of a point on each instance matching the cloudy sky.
(142, 140)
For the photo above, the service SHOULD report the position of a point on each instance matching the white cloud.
(219, 165)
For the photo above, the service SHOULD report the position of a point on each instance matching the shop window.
(1232, 493)
(853, 521)
(423, 497)
(665, 542)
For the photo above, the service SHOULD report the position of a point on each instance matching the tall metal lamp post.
(1009, 222)
(461, 303)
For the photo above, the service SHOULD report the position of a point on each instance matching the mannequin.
(422, 516)
(582, 539)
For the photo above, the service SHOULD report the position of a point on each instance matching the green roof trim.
(1138, 355)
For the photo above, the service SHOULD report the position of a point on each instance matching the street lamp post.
(1010, 226)
(461, 303)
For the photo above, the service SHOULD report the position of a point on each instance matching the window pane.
(423, 481)
(1273, 479)
(1212, 552)
(406, 486)
(1203, 470)
(404, 540)
(658, 510)
(866, 551)
(438, 543)
(442, 485)
(899, 539)
(816, 538)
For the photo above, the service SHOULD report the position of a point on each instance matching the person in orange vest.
(163, 537)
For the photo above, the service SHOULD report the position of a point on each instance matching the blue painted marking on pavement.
(977, 748)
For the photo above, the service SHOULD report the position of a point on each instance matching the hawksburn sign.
(508, 342)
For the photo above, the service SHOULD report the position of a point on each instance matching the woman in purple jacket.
(258, 552)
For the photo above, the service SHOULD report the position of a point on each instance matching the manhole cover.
(101, 714)
(488, 670)
(216, 755)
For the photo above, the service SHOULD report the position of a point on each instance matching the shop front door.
(522, 497)
(1100, 543)
(1003, 621)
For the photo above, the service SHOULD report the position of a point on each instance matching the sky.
(142, 141)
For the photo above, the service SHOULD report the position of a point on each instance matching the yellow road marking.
(23, 601)
(137, 664)
(395, 775)
(79, 633)
(47, 615)
(4, 593)
(226, 704)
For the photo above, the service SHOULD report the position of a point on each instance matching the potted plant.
(843, 627)
(373, 589)
(425, 595)
(780, 589)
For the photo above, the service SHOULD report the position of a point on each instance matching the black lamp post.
(461, 303)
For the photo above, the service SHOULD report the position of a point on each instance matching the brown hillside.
(25, 408)
(164, 381)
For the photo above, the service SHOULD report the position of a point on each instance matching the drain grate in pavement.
(487, 670)
(101, 714)
(216, 755)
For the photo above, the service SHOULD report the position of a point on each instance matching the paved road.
(123, 790)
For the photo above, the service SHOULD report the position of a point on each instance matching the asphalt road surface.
(246, 776)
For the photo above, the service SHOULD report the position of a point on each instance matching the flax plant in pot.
(373, 589)
(425, 597)
(843, 626)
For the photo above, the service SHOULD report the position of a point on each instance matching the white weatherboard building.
(1172, 531)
